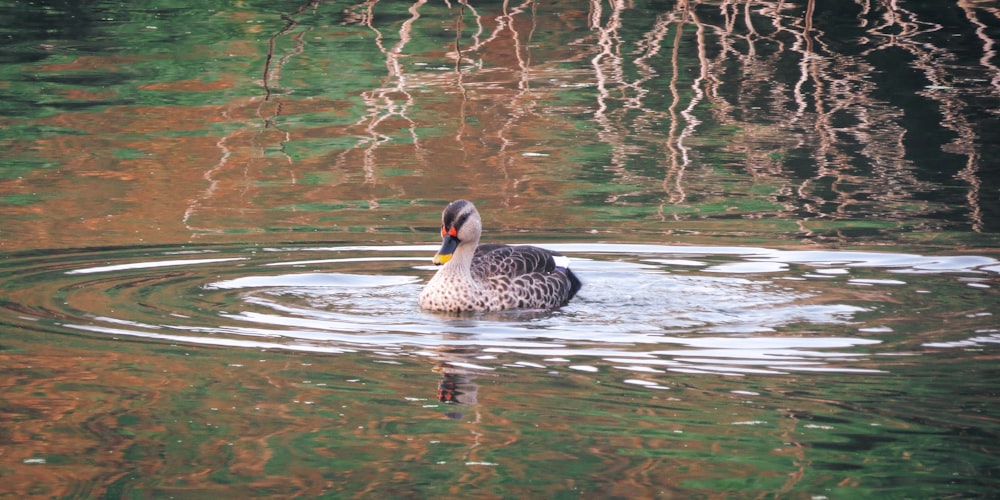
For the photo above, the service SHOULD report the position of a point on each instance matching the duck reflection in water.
(455, 387)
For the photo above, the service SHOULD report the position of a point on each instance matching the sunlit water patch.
(644, 309)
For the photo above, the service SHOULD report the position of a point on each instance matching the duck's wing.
(510, 260)
(538, 276)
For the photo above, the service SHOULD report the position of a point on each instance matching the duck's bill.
(448, 246)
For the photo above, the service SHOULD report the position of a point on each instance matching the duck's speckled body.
(493, 277)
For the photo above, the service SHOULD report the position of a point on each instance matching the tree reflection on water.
(864, 121)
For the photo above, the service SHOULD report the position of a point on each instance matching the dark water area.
(215, 220)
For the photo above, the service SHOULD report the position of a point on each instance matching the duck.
(492, 277)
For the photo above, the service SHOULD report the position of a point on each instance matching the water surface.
(215, 221)
(671, 357)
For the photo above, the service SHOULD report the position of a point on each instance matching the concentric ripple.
(643, 308)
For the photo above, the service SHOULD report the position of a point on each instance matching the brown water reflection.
(245, 371)
(136, 419)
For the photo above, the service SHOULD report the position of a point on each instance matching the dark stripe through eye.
(461, 220)
(456, 207)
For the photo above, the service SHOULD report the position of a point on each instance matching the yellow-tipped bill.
(448, 245)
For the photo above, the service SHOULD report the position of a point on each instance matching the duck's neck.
(461, 262)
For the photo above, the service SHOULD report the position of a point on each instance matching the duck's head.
(460, 225)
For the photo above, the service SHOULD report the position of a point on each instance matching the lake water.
(215, 222)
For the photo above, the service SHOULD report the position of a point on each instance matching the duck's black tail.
(574, 284)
